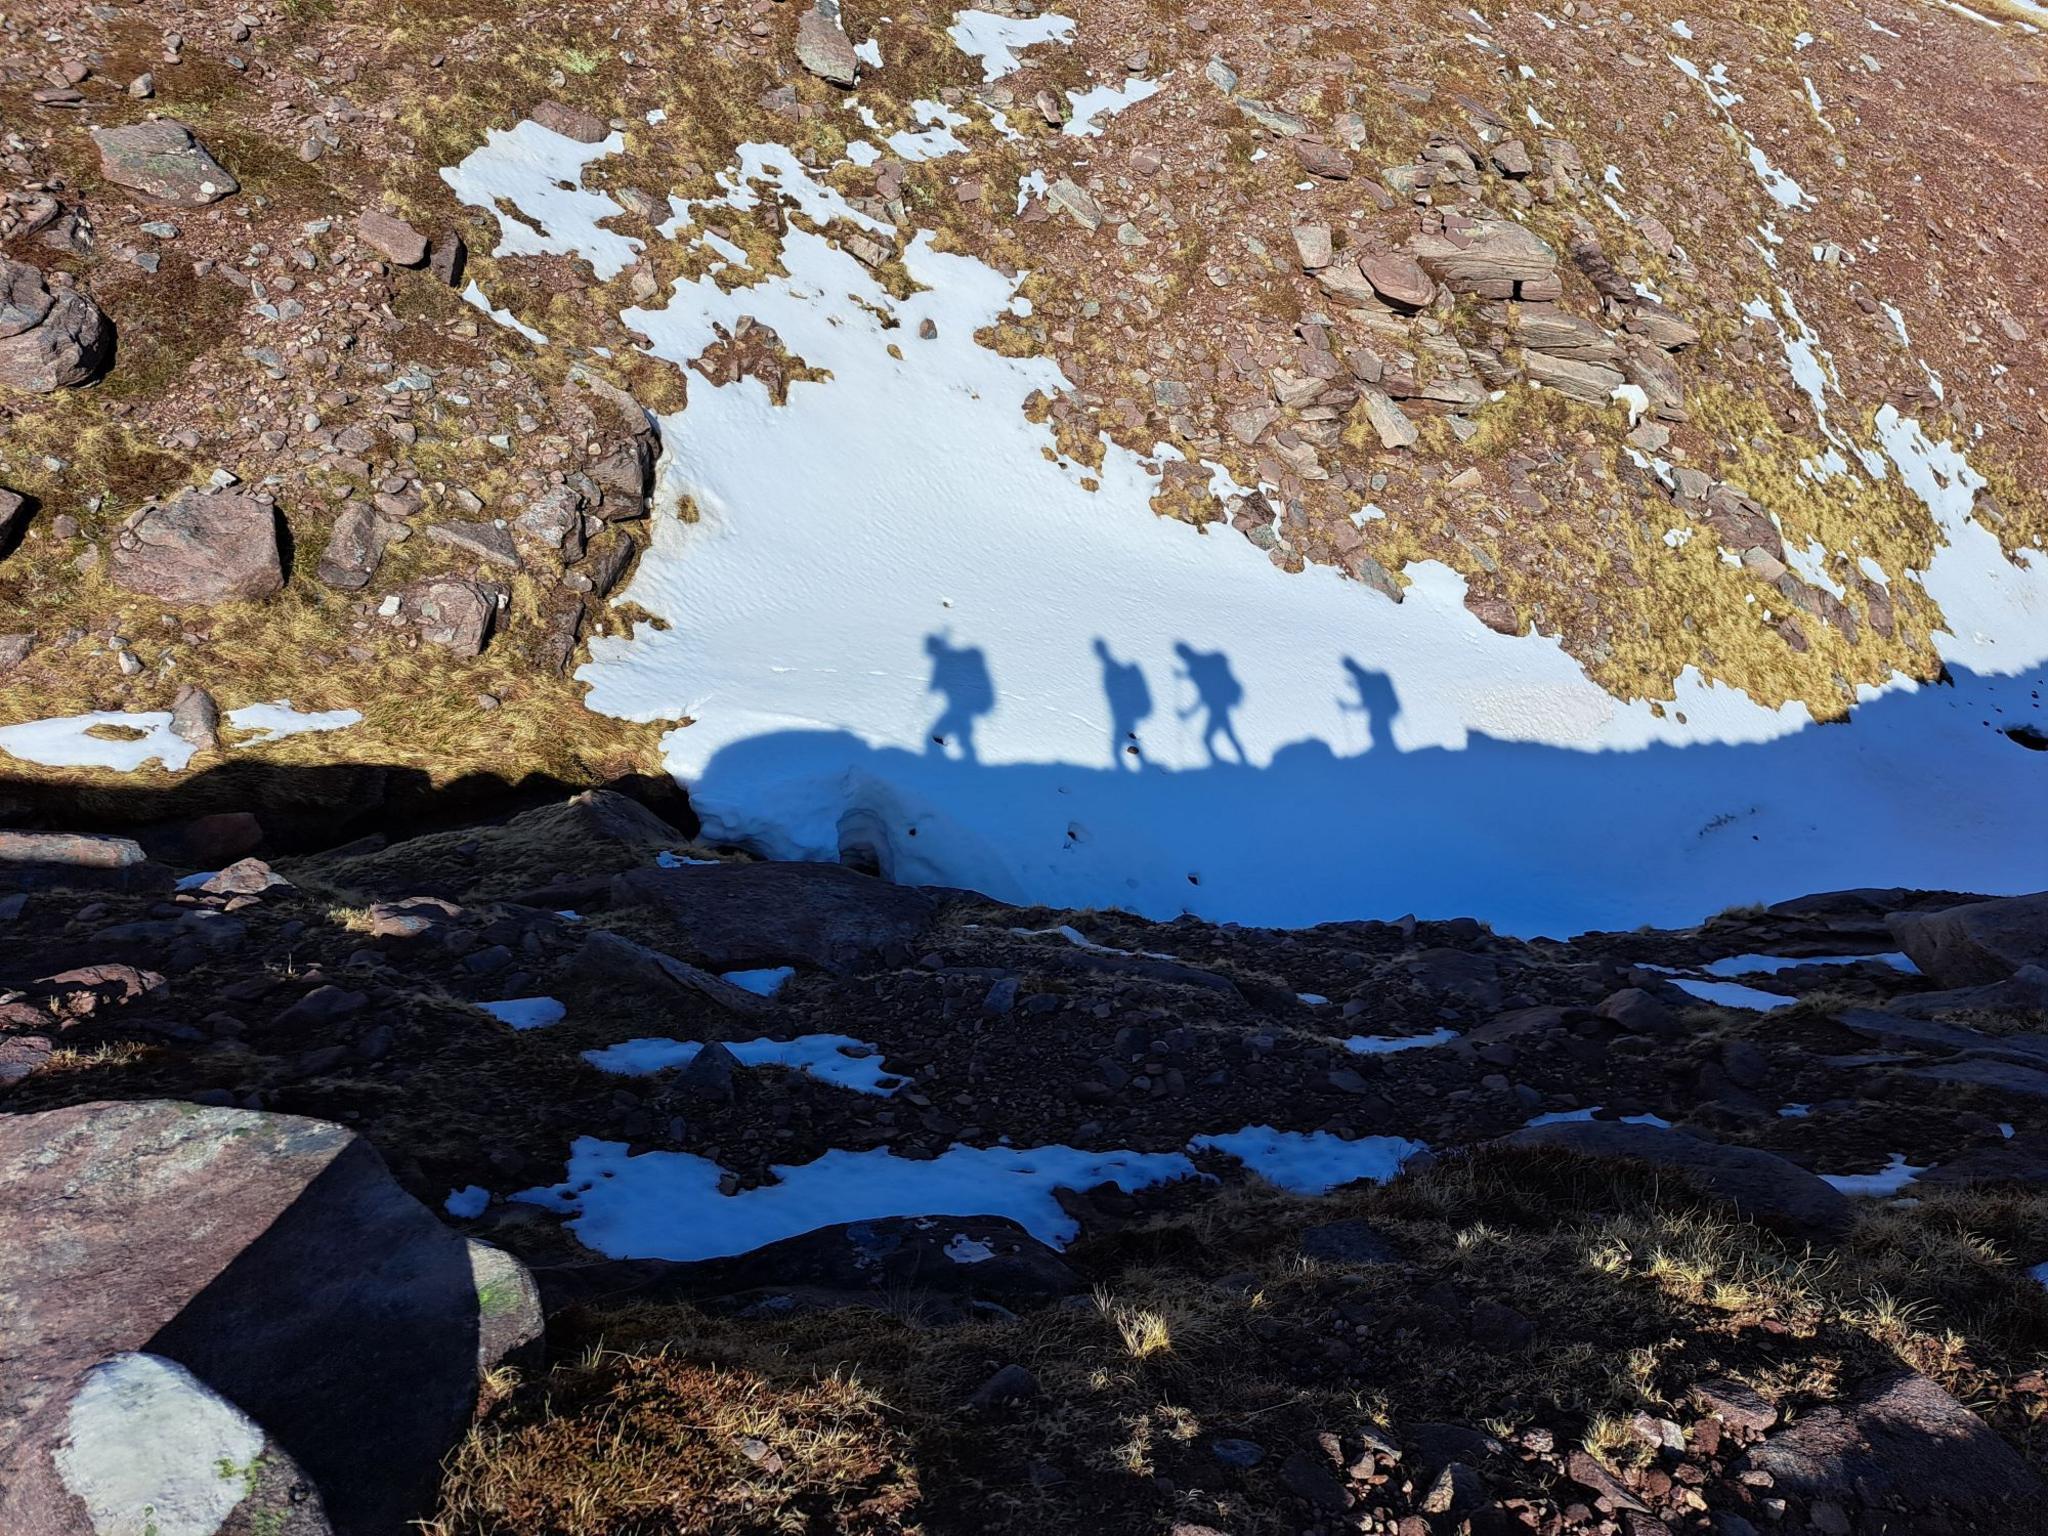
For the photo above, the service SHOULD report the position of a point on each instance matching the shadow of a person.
(960, 677)
(1130, 703)
(1217, 693)
(1377, 701)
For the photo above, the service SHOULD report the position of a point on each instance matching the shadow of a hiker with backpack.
(1217, 693)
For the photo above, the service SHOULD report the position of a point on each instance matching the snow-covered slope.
(903, 623)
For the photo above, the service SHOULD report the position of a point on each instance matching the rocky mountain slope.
(1633, 344)
(855, 1206)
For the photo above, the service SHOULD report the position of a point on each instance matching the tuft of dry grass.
(619, 1444)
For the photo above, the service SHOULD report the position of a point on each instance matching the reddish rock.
(273, 1259)
(1398, 279)
(205, 547)
(86, 850)
(164, 162)
(393, 237)
(823, 47)
(1488, 251)
(450, 612)
(1324, 160)
(49, 339)
(1902, 1439)
(571, 122)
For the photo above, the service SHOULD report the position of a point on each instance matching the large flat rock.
(272, 1257)
(1977, 943)
(1902, 1441)
(1761, 1185)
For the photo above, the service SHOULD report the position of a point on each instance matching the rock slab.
(1977, 943)
(1901, 1438)
(164, 162)
(205, 547)
(1759, 1184)
(274, 1260)
(49, 339)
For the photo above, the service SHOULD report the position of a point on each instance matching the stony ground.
(1508, 1335)
(406, 508)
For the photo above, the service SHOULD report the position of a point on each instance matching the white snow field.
(902, 624)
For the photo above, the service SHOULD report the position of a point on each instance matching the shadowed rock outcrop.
(272, 1258)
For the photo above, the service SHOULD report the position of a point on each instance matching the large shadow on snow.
(1935, 787)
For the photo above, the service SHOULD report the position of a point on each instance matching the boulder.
(1487, 253)
(138, 1443)
(739, 916)
(1398, 279)
(355, 547)
(1902, 1440)
(607, 958)
(83, 850)
(2021, 1160)
(204, 547)
(14, 515)
(195, 717)
(273, 1259)
(571, 122)
(2024, 992)
(1545, 328)
(486, 541)
(823, 47)
(1592, 383)
(1390, 424)
(22, 1055)
(164, 162)
(392, 237)
(1760, 1185)
(447, 258)
(49, 340)
(1460, 974)
(1321, 159)
(1978, 942)
(1640, 1012)
(451, 612)
(1991, 1074)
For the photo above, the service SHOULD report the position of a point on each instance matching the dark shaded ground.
(1544, 1306)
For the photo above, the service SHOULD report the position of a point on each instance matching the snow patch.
(1894, 1176)
(766, 982)
(838, 1059)
(1744, 965)
(1382, 1045)
(667, 1205)
(526, 1012)
(1312, 1162)
(994, 40)
(277, 720)
(1100, 101)
(1729, 994)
